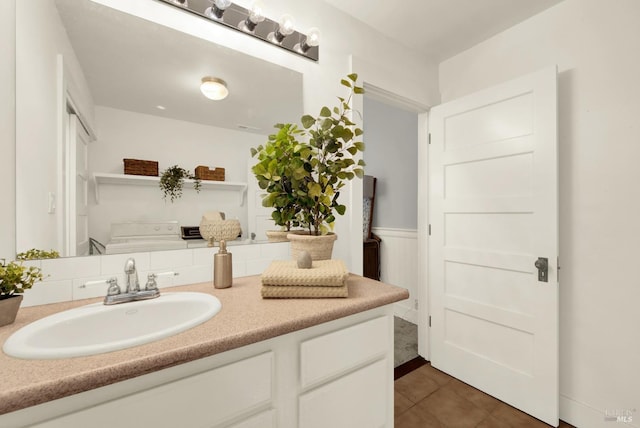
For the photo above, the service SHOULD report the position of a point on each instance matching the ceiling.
(136, 65)
(441, 28)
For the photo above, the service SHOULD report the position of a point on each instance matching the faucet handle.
(151, 279)
(114, 288)
(151, 282)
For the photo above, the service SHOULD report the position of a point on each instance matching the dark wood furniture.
(371, 257)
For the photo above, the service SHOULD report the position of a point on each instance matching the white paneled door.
(494, 216)
(78, 190)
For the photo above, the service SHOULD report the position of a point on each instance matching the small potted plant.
(14, 279)
(279, 172)
(313, 171)
(172, 182)
(35, 254)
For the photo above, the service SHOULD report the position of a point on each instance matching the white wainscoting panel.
(399, 266)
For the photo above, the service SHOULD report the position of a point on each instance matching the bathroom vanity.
(258, 363)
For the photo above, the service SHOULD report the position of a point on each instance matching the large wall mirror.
(95, 86)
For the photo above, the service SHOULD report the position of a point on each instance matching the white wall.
(595, 45)
(7, 130)
(42, 43)
(170, 142)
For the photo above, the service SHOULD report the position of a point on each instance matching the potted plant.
(315, 170)
(35, 254)
(172, 182)
(14, 279)
(279, 172)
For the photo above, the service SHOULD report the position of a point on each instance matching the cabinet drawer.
(356, 400)
(334, 353)
(204, 399)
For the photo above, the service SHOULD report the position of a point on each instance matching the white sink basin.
(96, 328)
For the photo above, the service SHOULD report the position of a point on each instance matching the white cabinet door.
(340, 351)
(493, 213)
(205, 399)
(358, 400)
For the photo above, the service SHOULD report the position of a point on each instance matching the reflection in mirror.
(95, 86)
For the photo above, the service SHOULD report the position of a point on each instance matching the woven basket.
(204, 173)
(215, 231)
(140, 167)
(319, 247)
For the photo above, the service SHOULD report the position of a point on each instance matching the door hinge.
(558, 270)
(429, 138)
(429, 320)
(429, 230)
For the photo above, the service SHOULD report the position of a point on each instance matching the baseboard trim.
(582, 415)
(408, 367)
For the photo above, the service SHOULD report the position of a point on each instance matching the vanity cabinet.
(335, 374)
(195, 401)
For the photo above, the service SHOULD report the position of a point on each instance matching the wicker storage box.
(140, 167)
(204, 173)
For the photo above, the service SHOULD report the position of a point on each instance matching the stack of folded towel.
(325, 278)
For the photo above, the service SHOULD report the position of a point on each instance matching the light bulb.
(256, 13)
(222, 4)
(256, 16)
(286, 25)
(214, 88)
(313, 37)
(217, 8)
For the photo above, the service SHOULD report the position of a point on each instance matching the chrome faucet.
(133, 285)
(132, 291)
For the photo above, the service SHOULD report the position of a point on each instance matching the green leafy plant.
(35, 254)
(303, 178)
(279, 172)
(15, 278)
(172, 182)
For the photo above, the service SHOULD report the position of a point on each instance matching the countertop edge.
(46, 391)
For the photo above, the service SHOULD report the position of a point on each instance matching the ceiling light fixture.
(214, 88)
(254, 22)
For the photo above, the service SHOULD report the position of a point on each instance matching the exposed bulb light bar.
(254, 22)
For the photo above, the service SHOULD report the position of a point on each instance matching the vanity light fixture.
(214, 88)
(285, 28)
(312, 39)
(217, 8)
(254, 22)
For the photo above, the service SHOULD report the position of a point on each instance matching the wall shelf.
(141, 180)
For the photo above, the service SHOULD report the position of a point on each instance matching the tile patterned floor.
(429, 398)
